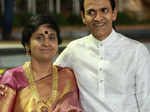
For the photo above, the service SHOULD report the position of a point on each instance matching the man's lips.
(99, 24)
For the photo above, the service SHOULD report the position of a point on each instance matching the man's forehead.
(98, 3)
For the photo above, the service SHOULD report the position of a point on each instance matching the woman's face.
(43, 43)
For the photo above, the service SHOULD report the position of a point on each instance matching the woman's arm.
(69, 102)
(7, 97)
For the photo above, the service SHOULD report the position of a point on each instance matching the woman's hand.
(3, 90)
(7, 96)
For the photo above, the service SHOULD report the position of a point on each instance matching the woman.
(38, 86)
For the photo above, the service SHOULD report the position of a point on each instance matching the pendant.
(44, 109)
(33, 111)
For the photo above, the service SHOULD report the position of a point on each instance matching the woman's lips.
(45, 50)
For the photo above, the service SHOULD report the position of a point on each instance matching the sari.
(23, 93)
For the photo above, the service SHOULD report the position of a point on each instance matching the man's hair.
(112, 2)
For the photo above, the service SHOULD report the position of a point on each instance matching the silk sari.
(23, 95)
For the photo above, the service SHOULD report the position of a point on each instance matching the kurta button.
(100, 69)
(97, 46)
(101, 44)
(101, 81)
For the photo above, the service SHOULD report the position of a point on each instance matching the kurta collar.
(109, 39)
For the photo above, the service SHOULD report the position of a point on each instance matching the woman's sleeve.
(7, 100)
(70, 101)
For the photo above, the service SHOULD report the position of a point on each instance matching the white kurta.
(113, 75)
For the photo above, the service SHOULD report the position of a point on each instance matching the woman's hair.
(34, 23)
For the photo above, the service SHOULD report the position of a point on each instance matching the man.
(112, 71)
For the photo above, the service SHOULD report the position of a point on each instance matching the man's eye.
(104, 10)
(91, 12)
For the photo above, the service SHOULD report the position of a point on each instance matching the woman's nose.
(46, 42)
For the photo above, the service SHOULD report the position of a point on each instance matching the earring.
(27, 51)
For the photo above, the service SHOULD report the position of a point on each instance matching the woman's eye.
(39, 38)
(104, 10)
(52, 38)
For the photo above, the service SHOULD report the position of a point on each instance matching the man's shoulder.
(80, 41)
(127, 40)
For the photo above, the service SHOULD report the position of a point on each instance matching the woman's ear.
(28, 51)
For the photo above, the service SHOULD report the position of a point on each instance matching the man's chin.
(99, 35)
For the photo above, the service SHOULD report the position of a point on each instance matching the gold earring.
(27, 51)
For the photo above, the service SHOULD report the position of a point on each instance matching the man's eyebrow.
(90, 9)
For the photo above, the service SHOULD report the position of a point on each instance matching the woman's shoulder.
(15, 69)
(67, 77)
(65, 71)
(13, 77)
(13, 72)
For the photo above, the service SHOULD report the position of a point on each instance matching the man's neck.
(103, 37)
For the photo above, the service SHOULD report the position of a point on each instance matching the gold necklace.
(44, 106)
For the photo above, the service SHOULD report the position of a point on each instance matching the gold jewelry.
(27, 51)
(44, 106)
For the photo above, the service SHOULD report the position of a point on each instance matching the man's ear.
(115, 12)
(83, 17)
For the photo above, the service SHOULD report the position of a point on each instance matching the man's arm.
(64, 59)
(142, 79)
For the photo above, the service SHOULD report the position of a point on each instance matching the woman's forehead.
(45, 29)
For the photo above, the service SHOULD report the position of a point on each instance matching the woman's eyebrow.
(41, 34)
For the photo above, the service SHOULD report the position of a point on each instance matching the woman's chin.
(45, 59)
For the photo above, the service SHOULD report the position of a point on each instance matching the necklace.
(43, 106)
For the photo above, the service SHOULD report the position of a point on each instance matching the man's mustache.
(99, 23)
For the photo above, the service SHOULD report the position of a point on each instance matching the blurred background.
(133, 21)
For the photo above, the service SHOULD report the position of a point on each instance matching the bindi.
(46, 32)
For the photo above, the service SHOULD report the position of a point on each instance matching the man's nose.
(98, 16)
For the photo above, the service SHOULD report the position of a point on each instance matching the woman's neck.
(41, 69)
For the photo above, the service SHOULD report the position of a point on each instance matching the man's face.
(98, 17)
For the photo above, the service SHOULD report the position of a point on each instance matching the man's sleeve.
(143, 79)
(64, 59)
